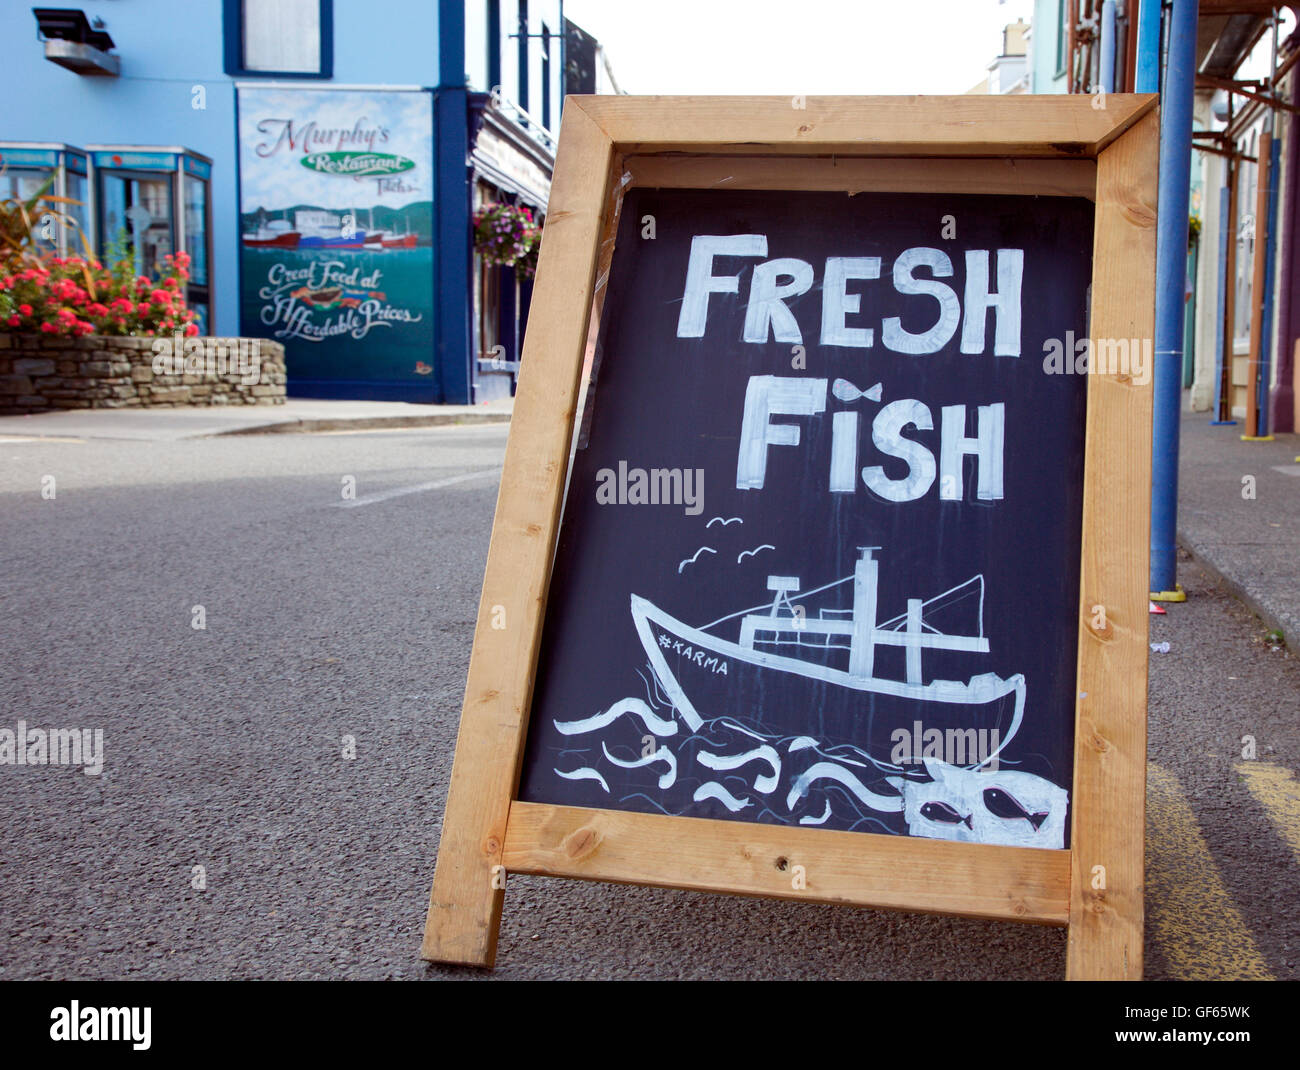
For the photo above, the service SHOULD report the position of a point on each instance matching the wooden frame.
(1059, 145)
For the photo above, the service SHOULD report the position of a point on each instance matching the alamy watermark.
(55, 746)
(655, 486)
(1099, 356)
(956, 746)
(75, 1022)
(179, 355)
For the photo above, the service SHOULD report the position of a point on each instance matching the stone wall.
(39, 373)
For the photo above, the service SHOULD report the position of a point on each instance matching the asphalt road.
(328, 618)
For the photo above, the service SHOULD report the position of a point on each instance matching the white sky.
(805, 47)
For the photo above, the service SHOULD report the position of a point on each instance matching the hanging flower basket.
(506, 234)
(526, 265)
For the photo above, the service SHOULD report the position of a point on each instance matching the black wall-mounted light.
(70, 24)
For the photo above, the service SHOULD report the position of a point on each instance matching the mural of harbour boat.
(788, 671)
(276, 234)
(324, 230)
(377, 240)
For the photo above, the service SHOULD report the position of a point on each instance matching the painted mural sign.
(819, 562)
(336, 215)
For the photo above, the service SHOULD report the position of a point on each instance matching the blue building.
(319, 160)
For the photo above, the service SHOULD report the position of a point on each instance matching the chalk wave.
(714, 790)
(661, 754)
(660, 726)
(830, 771)
(585, 773)
(763, 784)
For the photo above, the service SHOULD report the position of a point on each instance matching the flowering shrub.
(505, 234)
(76, 296)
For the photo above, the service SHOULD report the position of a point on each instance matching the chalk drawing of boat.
(789, 672)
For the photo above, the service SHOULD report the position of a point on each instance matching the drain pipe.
(1171, 275)
(1107, 74)
(1147, 77)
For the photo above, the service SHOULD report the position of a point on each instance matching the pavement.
(295, 415)
(1239, 515)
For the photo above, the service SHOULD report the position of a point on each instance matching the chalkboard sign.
(849, 573)
(819, 562)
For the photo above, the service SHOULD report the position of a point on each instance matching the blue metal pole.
(1266, 327)
(1171, 269)
(1147, 77)
(1108, 46)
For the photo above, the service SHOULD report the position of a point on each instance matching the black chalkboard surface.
(819, 557)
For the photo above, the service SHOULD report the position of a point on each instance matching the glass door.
(136, 214)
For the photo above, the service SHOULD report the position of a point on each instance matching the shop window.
(26, 167)
(281, 38)
(152, 204)
(77, 190)
(21, 184)
(196, 205)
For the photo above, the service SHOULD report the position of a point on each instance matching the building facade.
(321, 161)
(1241, 336)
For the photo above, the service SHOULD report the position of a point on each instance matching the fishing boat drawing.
(786, 665)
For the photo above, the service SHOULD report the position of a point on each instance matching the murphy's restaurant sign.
(336, 209)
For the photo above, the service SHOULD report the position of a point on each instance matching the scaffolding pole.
(1171, 270)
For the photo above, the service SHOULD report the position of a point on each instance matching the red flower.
(191, 330)
(26, 310)
(162, 297)
(13, 321)
(96, 309)
(48, 328)
(143, 309)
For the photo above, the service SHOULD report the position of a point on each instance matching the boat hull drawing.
(706, 676)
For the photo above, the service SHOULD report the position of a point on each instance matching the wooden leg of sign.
(465, 903)
(1109, 805)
